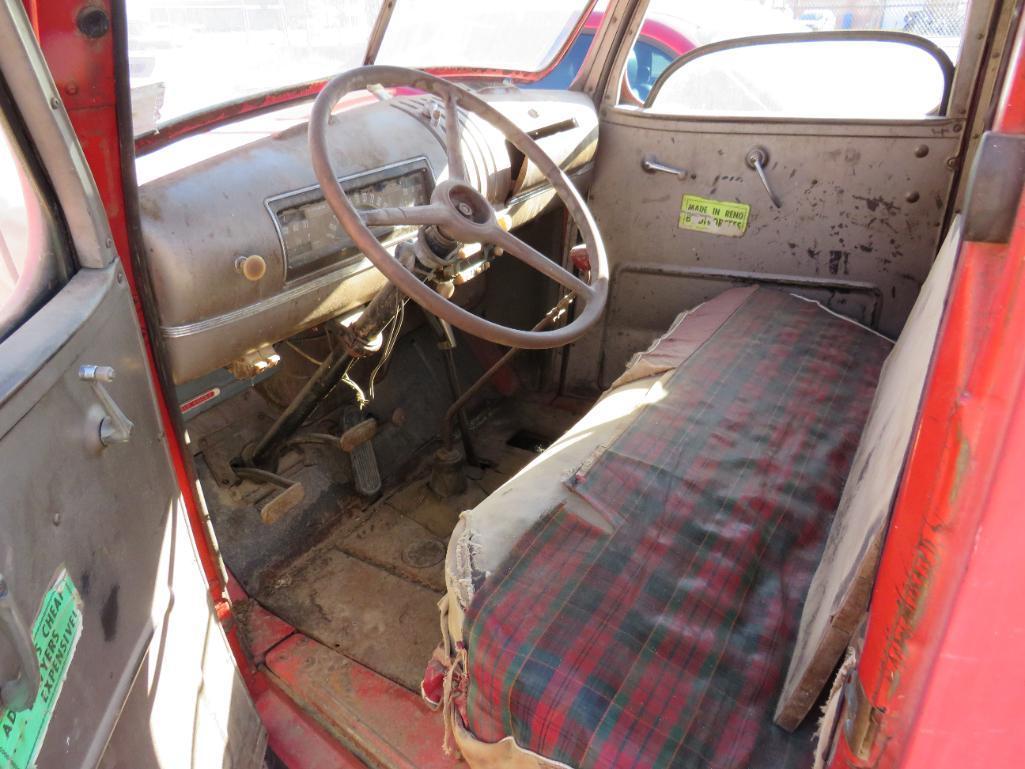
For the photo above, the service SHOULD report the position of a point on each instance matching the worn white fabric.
(485, 535)
(839, 593)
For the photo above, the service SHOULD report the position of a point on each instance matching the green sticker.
(55, 635)
(718, 217)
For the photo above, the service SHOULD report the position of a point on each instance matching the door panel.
(69, 503)
(862, 209)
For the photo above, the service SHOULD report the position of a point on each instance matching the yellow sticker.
(717, 217)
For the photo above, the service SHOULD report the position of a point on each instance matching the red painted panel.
(942, 663)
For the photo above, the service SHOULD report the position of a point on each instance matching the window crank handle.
(757, 158)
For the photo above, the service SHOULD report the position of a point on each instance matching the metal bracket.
(115, 427)
(994, 188)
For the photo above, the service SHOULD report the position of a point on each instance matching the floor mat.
(662, 640)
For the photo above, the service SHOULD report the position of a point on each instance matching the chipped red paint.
(298, 740)
(387, 724)
(942, 663)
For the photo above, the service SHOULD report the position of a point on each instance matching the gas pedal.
(366, 477)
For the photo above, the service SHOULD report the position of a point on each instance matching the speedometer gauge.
(312, 238)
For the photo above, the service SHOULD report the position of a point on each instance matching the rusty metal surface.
(261, 631)
(367, 613)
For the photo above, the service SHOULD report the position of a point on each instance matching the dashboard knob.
(251, 267)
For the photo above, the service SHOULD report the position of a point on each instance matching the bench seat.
(637, 602)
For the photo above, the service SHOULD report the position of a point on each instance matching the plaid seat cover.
(664, 642)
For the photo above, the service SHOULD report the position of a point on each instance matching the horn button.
(467, 202)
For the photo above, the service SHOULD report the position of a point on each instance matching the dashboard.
(201, 223)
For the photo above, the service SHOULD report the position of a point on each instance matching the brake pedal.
(366, 476)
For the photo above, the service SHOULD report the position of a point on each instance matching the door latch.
(650, 164)
(115, 427)
(19, 693)
(757, 158)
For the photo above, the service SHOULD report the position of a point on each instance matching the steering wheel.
(460, 212)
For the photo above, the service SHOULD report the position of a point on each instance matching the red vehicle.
(657, 46)
(416, 417)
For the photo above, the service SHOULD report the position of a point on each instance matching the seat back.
(840, 590)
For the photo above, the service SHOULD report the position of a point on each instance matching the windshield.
(190, 55)
(524, 36)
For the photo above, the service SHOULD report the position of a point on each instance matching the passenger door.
(98, 566)
(852, 197)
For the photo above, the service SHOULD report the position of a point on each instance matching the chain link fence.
(928, 18)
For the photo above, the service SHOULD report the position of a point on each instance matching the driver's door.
(100, 592)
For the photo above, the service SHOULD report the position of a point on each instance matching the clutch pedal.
(366, 476)
(291, 496)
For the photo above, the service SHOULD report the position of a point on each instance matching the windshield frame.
(223, 113)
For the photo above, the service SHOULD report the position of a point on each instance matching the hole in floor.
(528, 440)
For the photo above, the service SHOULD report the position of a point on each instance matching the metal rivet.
(952, 162)
(120, 277)
(71, 88)
(56, 519)
(55, 102)
(958, 128)
(93, 22)
(921, 150)
(109, 243)
(912, 197)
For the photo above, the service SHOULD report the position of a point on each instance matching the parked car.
(657, 46)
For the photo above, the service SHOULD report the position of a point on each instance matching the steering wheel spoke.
(408, 215)
(535, 259)
(454, 139)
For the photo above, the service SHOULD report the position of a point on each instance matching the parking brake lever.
(757, 158)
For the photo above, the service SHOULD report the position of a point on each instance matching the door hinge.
(861, 719)
(994, 188)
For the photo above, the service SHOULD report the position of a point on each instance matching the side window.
(32, 259)
(647, 62)
(563, 73)
(871, 59)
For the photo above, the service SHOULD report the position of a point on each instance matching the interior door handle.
(757, 158)
(651, 164)
(19, 693)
